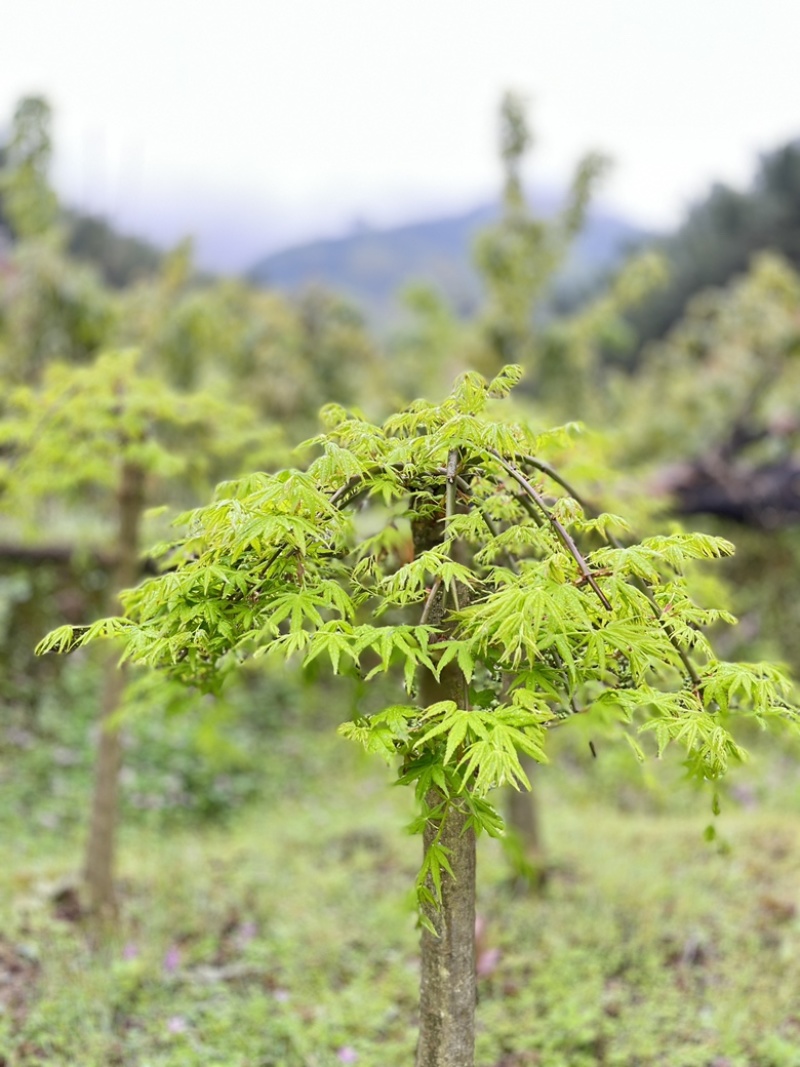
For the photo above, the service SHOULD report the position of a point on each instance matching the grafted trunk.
(99, 861)
(447, 981)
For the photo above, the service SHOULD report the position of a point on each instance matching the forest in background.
(683, 367)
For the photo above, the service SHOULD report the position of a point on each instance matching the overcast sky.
(282, 119)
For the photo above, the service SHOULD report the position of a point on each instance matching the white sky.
(287, 118)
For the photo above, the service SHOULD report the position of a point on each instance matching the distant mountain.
(371, 266)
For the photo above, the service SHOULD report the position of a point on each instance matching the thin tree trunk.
(447, 979)
(448, 989)
(99, 863)
(522, 818)
(99, 860)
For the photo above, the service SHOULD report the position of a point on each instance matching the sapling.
(517, 612)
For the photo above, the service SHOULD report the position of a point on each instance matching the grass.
(284, 938)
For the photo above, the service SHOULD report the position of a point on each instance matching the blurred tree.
(722, 233)
(50, 309)
(287, 357)
(28, 203)
(566, 357)
(29, 208)
(711, 421)
(120, 260)
(519, 255)
(434, 344)
(107, 436)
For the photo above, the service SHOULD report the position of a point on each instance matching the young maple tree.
(96, 441)
(517, 612)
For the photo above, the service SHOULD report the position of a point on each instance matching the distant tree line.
(720, 236)
(120, 260)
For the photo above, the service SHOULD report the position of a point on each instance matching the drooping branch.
(347, 487)
(640, 584)
(553, 474)
(562, 533)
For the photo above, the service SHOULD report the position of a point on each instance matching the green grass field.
(284, 937)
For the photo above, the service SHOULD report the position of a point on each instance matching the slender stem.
(530, 507)
(563, 534)
(357, 479)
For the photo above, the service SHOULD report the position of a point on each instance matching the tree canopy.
(286, 563)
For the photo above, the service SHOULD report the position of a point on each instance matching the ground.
(283, 936)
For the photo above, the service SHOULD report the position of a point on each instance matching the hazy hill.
(372, 265)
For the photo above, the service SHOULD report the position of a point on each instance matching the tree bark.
(448, 988)
(99, 860)
(447, 982)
